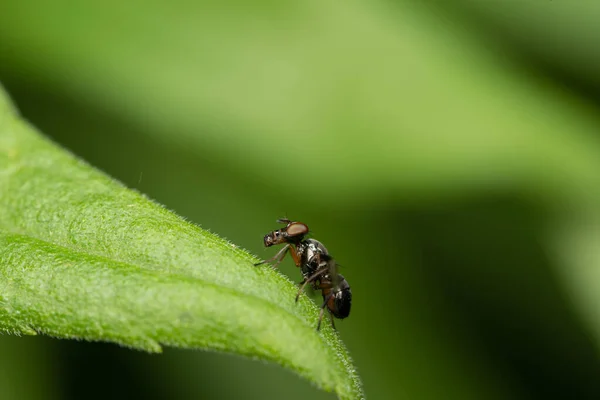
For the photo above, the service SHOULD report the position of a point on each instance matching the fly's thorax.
(313, 256)
(313, 251)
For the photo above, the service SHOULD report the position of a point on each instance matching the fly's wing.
(332, 268)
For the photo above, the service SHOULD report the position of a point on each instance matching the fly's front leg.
(295, 255)
(279, 256)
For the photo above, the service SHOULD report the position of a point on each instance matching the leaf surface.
(82, 256)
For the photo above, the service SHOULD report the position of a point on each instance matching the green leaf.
(371, 85)
(84, 257)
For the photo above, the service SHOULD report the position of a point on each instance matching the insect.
(318, 267)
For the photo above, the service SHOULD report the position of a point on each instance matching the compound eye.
(297, 229)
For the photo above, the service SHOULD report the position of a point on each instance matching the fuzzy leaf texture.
(82, 256)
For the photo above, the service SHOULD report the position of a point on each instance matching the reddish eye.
(296, 229)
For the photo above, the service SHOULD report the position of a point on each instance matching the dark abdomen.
(339, 304)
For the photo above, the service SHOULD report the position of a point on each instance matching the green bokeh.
(450, 168)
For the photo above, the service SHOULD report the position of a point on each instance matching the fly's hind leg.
(332, 322)
(323, 311)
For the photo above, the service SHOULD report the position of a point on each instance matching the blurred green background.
(447, 154)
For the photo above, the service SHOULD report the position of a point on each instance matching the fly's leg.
(295, 256)
(309, 280)
(332, 323)
(323, 311)
(279, 256)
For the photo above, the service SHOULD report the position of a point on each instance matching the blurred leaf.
(374, 97)
(84, 257)
(556, 34)
(27, 360)
(574, 241)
